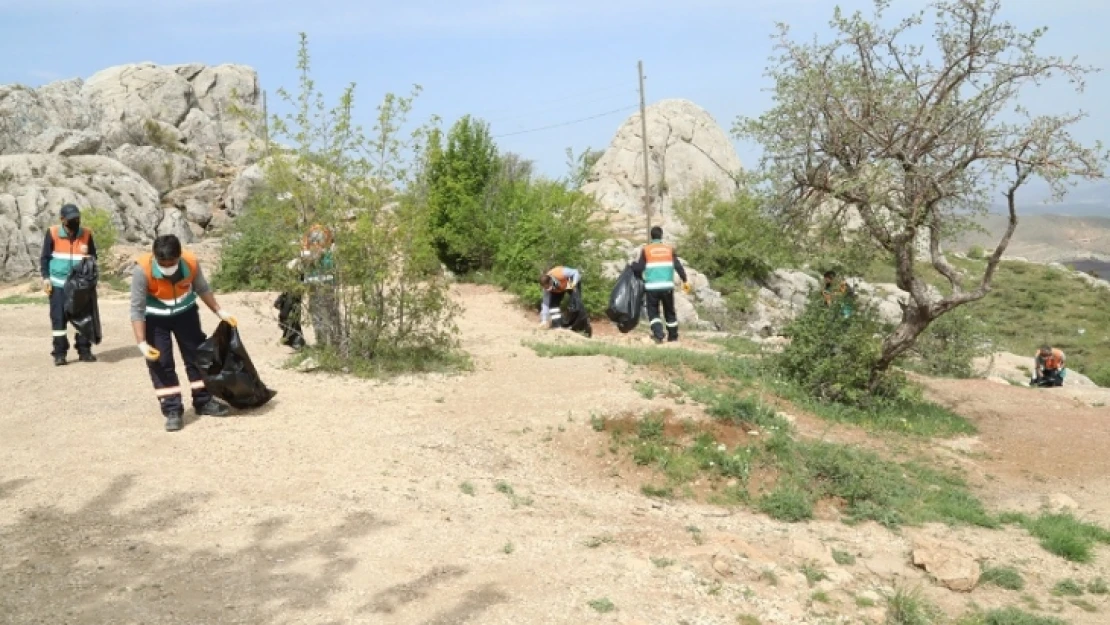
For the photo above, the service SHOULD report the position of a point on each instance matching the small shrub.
(787, 503)
(976, 252)
(105, 233)
(1003, 577)
(843, 558)
(1098, 586)
(603, 605)
(910, 608)
(1066, 536)
(949, 345)
(830, 355)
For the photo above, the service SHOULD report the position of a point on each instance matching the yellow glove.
(229, 318)
(149, 352)
(685, 287)
(47, 286)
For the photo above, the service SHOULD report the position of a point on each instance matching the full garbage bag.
(81, 308)
(577, 319)
(228, 371)
(626, 301)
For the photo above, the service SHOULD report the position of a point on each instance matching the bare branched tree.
(916, 140)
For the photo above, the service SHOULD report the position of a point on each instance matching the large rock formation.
(686, 149)
(155, 145)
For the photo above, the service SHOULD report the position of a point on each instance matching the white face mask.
(168, 271)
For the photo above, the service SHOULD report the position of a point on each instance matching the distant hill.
(1046, 238)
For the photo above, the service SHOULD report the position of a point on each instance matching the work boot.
(59, 360)
(86, 357)
(212, 409)
(175, 421)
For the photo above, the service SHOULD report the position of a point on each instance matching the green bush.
(950, 344)
(258, 245)
(730, 238)
(103, 228)
(830, 355)
(976, 252)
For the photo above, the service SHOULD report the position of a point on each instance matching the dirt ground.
(349, 501)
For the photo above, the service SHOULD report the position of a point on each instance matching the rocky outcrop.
(34, 186)
(160, 132)
(686, 150)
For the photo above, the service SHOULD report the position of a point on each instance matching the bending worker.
(556, 283)
(165, 285)
(1049, 367)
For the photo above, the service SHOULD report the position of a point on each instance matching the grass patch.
(508, 548)
(673, 360)
(662, 563)
(1009, 616)
(865, 602)
(908, 607)
(467, 488)
(1063, 534)
(506, 489)
(593, 542)
(1003, 577)
(1098, 586)
(603, 605)
(16, 300)
(813, 573)
(748, 619)
(645, 389)
(912, 416)
(843, 558)
(1067, 588)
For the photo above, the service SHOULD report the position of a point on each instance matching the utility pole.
(643, 135)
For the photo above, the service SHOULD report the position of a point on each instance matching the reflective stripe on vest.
(659, 267)
(163, 297)
(67, 253)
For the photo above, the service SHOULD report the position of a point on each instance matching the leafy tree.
(393, 309)
(913, 142)
(460, 193)
(104, 230)
(581, 167)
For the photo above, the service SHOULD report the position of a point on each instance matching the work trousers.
(160, 334)
(323, 308)
(58, 326)
(666, 299)
(555, 307)
(289, 320)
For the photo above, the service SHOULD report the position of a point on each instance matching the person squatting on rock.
(317, 262)
(63, 249)
(165, 285)
(556, 283)
(1048, 367)
(656, 266)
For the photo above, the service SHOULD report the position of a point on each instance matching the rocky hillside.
(157, 146)
(686, 149)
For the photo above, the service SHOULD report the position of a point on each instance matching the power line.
(568, 123)
(548, 101)
(607, 98)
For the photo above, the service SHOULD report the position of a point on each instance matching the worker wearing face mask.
(65, 246)
(165, 286)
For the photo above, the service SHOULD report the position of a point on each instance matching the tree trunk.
(914, 322)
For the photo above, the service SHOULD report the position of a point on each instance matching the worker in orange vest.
(1048, 367)
(165, 286)
(65, 246)
(657, 265)
(556, 283)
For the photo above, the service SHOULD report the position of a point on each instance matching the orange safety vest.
(1052, 361)
(165, 297)
(658, 266)
(562, 282)
(68, 253)
(308, 244)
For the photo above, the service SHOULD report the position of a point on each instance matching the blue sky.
(521, 64)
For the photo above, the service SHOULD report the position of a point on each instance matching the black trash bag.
(81, 308)
(626, 301)
(577, 319)
(228, 371)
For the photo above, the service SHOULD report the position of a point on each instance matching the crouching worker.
(557, 283)
(1048, 367)
(165, 285)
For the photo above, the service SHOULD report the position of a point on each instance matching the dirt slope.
(341, 501)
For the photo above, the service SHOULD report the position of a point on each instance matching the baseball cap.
(69, 211)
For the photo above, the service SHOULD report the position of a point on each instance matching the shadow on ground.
(95, 565)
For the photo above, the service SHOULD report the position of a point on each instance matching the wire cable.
(568, 123)
(581, 94)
